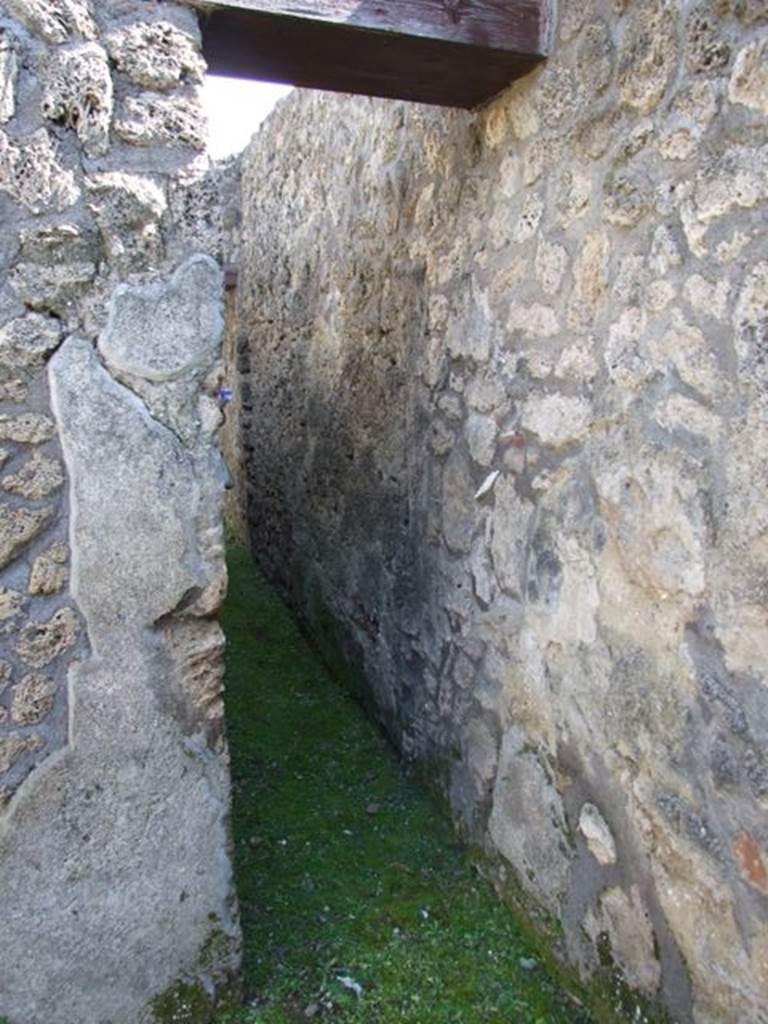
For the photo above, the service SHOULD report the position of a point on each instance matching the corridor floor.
(357, 904)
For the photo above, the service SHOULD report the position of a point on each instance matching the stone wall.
(114, 867)
(507, 431)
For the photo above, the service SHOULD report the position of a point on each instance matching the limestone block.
(33, 700)
(128, 209)
(625, 920)
(551, 263)
(708, 298)
(527, 824)
(77, 93)
(530, 218)
(137, 476)
(481, 751)
(52, 289)
(749, 80)
(32, 174)
(13, 385)
(750, 321)
(55, 20)
(13, 747)
(38, 477)
(681, 413)
(49, 571)
(578, 362)
(27, 427)
(481, 432)
(573, 195)
(153, 119)
(738, 178)
(27, 341)
(655, 506)
(156, 54)
(557, 420)
(685, 347)
(163, 332)
(625, 353)
(40, 642)
(707, 50)
(511, 519)
(11, 604)
(535, 320)
(590, 279)
(18, 526)
(648, 55)
(595, 58)
(627, 195)
(458, 510)
(9, 68)
(596, 831)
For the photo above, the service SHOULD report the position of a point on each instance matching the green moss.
(185, 1003)
(345, 868)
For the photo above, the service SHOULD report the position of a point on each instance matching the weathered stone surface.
(18, 526)
(749, 79)
(40, 642)
(153, 119)
(13, 747)
(557, 419)
(155, 54)
(527, 823)
(55, 20)
(597, 833)
(110, 680)
(707, 49)
(32, 174)
(49, 572)
(128, 209)
(33, 700)
(77, 93)
(37, 478)
(648, 56)
(28, 428)
(626, 922)
(162, 332)
(580, 266)
(9, 68)
(11, 604)
(58, 263)
(27, 341)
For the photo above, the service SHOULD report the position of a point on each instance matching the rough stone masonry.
(506, 424)
(115, 879)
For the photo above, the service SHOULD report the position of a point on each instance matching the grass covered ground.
(357, 904)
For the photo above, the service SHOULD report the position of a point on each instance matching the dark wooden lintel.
(456, 53)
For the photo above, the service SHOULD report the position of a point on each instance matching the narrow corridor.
(357, 904)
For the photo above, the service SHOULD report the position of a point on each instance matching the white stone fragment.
(9, 67)
(599, 837)
(487, 485)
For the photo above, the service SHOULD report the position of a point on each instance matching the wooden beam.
(456, 53)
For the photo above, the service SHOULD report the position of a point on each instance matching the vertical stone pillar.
(115, 875)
